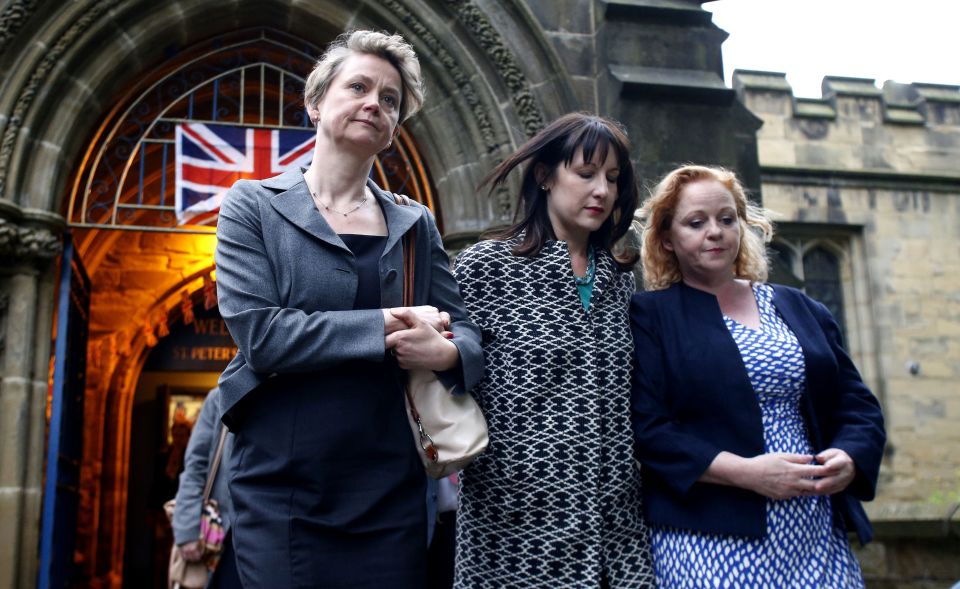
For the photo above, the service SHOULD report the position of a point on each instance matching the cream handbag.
(449, 430)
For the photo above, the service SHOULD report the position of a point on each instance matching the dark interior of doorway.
(156, 451)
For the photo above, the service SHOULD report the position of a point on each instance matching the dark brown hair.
(552, 147)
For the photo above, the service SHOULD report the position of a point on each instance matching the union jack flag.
(210, 158)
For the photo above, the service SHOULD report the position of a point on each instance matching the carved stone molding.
(31, 243)
(505, 65)
(475, 21)
(462, 81)
(12, 18)
(39, 76)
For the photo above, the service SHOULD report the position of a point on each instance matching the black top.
(367, 250)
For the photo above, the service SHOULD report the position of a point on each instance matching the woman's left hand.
(420, 346)
(840, 471)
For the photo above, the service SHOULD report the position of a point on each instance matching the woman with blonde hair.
(327, 485)
(757, 436)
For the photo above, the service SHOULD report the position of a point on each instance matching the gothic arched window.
(814, 266)
(821, 273)
(247, 80)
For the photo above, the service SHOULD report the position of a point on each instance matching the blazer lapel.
(604, 271)
(800, 324)
(806, 328)
(399, 218)
(296, 205)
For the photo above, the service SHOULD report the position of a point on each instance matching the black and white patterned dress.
(555, 501)
(802, 549)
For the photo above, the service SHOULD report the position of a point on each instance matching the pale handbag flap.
(454, 423)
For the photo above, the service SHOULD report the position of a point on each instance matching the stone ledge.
(814, 108)
(676, 11)
(454, 242)
(853, 87)
(761, 81)
(879, 179)
(914, 520)
(900, 115)
(691, 85)
(938, 93)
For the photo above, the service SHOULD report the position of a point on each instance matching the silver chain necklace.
(333, 210)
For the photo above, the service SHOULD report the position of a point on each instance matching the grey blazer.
(286, 285)
(199, 457)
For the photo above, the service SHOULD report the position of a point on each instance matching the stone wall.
(881, 169)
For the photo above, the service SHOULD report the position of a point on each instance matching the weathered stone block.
(145, 279)
(777, 153)
(577, 52)
(166, 243)
(567, 16)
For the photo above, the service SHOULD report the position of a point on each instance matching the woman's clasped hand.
(418, 338)
(782, 475)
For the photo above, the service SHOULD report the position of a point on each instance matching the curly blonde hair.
(660, 266)
(392, 48)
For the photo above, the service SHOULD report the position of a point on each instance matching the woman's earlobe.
(540, 173)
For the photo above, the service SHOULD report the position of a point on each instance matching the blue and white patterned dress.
(802, 548)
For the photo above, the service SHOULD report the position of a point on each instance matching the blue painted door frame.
(61, 491)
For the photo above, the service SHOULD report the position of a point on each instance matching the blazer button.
(391, 275)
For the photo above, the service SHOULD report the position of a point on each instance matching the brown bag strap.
(409, 254)
(212, 474)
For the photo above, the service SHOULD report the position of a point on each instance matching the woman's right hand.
(435, 318)
(191, 551)
(421, 346)
(778, 475)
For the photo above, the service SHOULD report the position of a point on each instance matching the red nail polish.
(448, 335)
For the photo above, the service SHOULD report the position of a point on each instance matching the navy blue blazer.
(692, 399)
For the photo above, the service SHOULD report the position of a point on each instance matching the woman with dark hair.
(555, 500)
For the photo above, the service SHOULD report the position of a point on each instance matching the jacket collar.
(400, 218)
(605, 271)
(793, 316)
(785, 305)
(295, 204)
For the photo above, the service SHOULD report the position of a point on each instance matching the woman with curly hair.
(757, 436)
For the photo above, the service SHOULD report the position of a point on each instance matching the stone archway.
(70, 64)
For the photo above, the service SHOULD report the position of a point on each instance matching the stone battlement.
(896, 103)
(856, 127)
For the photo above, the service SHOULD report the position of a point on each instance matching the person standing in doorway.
(200, 456)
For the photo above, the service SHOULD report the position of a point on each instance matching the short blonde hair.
(660, 266)
(392, 48)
